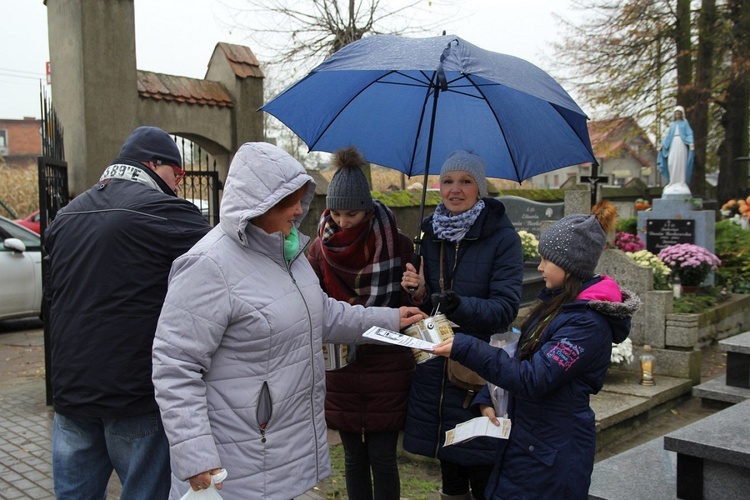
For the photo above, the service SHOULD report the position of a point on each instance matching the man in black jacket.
(110, 251)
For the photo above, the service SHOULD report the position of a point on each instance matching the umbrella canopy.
(406, 103)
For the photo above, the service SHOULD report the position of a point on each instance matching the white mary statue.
(675, 157)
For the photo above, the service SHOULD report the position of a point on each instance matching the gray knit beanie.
(574, 243)
(348, 189)
(467, 162)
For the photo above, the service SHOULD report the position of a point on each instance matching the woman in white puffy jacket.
(237, 360)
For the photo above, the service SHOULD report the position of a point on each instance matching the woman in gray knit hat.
(472, 271)
(562, 357)
(359, 256)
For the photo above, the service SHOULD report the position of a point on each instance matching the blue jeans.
(377, 453)
(85, 450)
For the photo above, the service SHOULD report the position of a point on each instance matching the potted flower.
(529, 245)
(691, 263)
(622, 353)
(642, 204)
(628, 242)
(738, 211)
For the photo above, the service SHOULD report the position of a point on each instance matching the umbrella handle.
(415, 260)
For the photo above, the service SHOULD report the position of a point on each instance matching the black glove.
(447, 300)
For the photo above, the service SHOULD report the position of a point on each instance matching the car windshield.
(11, 230)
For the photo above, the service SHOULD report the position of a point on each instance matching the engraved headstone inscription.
(662, 233)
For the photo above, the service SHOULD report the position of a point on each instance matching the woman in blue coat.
(562, 356)
(473, 269)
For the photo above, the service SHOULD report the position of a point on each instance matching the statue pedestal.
(679, 191)
(676, 219)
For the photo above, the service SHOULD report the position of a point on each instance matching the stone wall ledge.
(701, 329)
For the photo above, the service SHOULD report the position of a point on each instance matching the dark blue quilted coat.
(550, 452)
(486, 269)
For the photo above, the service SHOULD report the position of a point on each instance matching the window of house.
(3, 142)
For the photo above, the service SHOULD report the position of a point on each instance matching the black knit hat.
(575, 242)
(348, 189)
(151, 144)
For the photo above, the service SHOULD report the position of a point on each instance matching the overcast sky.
(178, 36)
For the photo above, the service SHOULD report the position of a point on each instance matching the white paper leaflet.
(476, 427)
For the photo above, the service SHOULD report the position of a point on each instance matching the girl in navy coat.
(562, 357)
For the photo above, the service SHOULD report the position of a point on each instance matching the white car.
(20, 271)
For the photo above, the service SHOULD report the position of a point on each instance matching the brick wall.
(23, 137)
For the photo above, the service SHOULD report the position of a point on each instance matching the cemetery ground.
(28, 451)
(420, 477)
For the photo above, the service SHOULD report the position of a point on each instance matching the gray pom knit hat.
(467, 162)
(151, 144)
(348, 190)
(574, 243)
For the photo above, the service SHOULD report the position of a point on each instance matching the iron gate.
(201, 184)
(53, 169)
(53, 195)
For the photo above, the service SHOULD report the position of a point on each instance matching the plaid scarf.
(362, 265)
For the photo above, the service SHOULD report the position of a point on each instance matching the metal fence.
(201, 184)
(53, 195)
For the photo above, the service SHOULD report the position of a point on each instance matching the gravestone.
(532, 217)
(646, 326)
(713, 455)
(627, 272)
(577, 201)
(672, 221)
(527, 215)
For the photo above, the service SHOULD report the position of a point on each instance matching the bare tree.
(638, 57)
(704, 71)
(735, 101)
(301, 34)
(295, 36)
(621, 57)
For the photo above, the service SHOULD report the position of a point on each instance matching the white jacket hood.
(260, 176)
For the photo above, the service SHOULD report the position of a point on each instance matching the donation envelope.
(476, 427)
(387, 336)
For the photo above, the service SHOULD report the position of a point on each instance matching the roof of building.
(182, 89)
(609, 137)
(242, 60)
(164, 87)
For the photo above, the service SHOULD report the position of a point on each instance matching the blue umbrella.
(406, 103)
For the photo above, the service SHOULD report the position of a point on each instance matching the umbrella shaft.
(418, 240)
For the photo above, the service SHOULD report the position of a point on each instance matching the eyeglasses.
(179, 174)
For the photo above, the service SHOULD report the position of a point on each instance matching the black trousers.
(460, 479)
